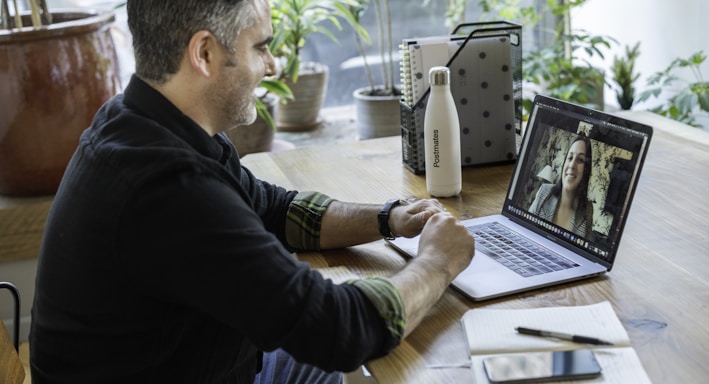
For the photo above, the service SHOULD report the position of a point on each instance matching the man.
(165, 261)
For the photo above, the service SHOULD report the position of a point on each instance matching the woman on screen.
(566, 203)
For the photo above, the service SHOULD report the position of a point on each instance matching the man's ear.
(202, 52)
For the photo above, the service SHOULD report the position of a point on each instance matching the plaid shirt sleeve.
(304, 219)
(388, 302)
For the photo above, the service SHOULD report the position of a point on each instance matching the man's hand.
(448, 243)
(408, 220)
(445, 249)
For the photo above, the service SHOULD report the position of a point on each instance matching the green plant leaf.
(277, 87)
(294, 21)
(685, 101)
(697, 58)
(263, 113)
(703, 97)
(689, 98)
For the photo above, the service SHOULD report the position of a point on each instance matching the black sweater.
(163, 260)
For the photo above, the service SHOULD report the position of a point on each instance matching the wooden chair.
(11, 370)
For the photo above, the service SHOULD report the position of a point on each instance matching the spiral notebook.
(485, 67)
(534, 251)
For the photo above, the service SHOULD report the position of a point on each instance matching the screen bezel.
(608, 126)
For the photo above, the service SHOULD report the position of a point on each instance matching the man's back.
(166, 261)
(91, 294)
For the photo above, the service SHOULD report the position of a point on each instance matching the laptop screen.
(576, 176)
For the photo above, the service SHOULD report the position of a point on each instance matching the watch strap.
(383, 219)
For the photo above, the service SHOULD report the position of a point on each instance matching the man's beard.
(246, 115)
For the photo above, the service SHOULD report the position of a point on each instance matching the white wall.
(666, 30)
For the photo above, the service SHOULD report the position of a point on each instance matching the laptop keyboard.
(515, 252)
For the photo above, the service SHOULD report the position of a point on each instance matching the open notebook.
(532, 243)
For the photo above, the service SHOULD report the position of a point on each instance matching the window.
(410, 19)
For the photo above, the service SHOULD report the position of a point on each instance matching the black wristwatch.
(383, 218)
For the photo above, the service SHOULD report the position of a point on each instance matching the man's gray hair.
(162, 29)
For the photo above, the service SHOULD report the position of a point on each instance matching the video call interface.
(613, 162)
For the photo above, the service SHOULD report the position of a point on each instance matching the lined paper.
(493, 330)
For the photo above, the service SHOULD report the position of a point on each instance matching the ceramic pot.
(377, 116)
(54, 79)
(303, 112)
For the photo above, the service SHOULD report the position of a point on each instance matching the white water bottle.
(442, 137)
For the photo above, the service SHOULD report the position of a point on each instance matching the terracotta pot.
(303, 112)
(54, 79)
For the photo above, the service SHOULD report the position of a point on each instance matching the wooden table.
(659, 286)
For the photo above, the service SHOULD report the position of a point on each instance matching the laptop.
(533, 243)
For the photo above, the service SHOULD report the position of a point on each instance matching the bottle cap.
(439, 76)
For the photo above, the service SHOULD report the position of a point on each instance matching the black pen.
(563, 336)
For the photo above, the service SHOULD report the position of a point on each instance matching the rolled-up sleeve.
(387, 300)
(304, 220)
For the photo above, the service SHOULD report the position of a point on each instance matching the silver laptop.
(566, 205)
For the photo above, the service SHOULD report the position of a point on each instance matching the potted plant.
(57, 68)
(377, 105)
(689, 99)
(293, 23)
(624, 76)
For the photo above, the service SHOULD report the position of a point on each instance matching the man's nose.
(270, 65)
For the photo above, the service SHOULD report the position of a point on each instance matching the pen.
(563, 336)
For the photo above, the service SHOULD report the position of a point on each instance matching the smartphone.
(538, 367)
